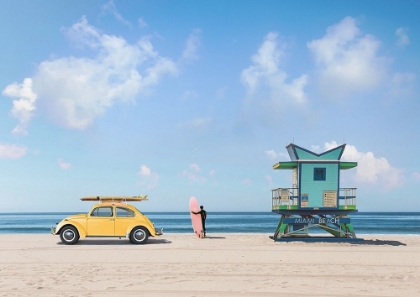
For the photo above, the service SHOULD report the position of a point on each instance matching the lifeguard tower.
(315, 199)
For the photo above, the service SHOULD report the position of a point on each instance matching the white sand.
(222, 265)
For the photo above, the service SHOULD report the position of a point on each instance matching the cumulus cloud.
(266, 71)
(316, 148)
(403, 39)
(189, 94)
(193, 173)
(195, 167)
(142, 23)
(371, 169)
(23, 107)
(149, 179)
(12, 151)
(197, 123)
(271, 154)
(63, 165)
(192, 45)
(416, 175)
(110, 8)
(212, 172)
(347, 60)
(76, 90)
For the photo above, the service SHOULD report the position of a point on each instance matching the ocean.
(404, 223)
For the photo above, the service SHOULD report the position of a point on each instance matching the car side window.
(102, 212)
(124, 212)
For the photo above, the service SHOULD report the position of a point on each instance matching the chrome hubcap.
(68, 235)
(139, 235)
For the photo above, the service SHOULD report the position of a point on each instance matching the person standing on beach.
(203, 214)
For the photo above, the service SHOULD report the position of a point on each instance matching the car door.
(123, 218)
(100, 222)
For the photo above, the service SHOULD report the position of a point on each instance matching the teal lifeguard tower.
(315, 199)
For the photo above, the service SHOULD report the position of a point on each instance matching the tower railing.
(289, 197)
(347, 197)
(284, 196)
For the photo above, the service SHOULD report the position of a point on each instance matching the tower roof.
(299, 153)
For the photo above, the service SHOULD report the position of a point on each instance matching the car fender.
(80, 229)
(132, 226)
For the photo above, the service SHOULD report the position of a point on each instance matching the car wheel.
(139, 235)
(69, 235)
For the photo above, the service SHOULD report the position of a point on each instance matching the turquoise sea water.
(405, 223)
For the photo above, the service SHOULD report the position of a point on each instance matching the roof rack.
(115, 198)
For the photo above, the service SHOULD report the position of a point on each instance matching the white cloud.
(145, 171)
(63, 165)
(142, 23)
(403, 39)
(265, 71)
(24, 107)
(149, 179)
(192, 173)
(189, 94)
(75, 91)
(416, 175)
(316, 149)
(371, 169)
(110, 8)
(192, 176)
(271, 154)
(197, 123)
(12, 151)
(347, 60)
(192, 45)
(195, 167)
(212, 172)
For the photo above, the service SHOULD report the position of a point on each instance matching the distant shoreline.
(186, 212)
(223, 222)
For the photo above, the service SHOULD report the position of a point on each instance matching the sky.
(174, 99)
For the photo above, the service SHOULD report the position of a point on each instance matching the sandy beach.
(221, 265)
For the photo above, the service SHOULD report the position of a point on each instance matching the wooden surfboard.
(196, 218)
(115, 198)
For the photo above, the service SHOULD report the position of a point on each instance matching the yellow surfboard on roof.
(115, 198)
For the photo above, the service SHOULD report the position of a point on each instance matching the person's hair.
(201, 206)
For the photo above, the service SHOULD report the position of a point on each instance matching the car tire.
(69, 235)
(139, 235)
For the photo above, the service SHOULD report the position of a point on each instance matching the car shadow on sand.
(214, 237)
(92, 241)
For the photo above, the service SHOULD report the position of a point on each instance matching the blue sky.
(175, 99)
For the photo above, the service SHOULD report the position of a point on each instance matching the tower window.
(320, 173)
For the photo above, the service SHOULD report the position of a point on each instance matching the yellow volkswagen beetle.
(110, 217)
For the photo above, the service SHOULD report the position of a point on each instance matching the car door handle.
(111, 219)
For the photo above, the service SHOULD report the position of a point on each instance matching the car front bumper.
(159, 232)
(53, 228)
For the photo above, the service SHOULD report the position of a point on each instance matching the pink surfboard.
(196, 218)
